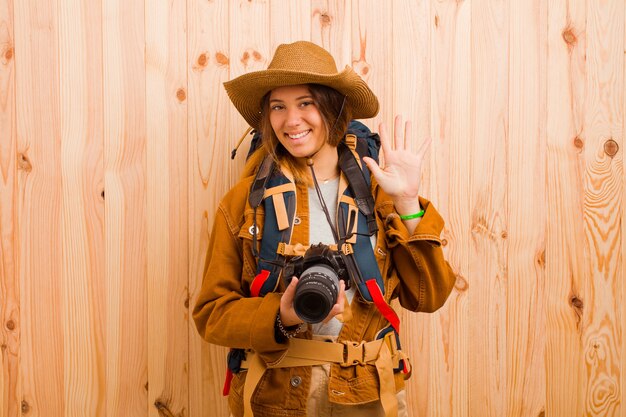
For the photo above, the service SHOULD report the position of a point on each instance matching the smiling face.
(297, 122)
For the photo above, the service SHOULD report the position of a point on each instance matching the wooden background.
(115, 138)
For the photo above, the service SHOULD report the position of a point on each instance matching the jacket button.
(296, 381)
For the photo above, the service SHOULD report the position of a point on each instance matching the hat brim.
(246, 91)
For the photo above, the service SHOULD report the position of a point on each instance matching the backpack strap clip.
(350, 140)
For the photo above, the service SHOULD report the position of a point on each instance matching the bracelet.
(288, 334)
(412, 216)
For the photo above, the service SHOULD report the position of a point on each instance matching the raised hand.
(401, 174)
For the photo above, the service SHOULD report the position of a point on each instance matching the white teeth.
(299, 135)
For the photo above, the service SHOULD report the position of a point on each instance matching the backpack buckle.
(350, 140)
(353, 354)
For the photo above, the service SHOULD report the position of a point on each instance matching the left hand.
(400, 177)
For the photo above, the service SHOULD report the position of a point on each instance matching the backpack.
(359, 141)
(357, 221)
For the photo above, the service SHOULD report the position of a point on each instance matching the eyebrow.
(297, 98)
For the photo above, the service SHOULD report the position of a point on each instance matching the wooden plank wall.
(115, 136)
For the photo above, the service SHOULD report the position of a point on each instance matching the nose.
(293, 117)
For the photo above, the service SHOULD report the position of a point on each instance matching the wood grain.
(488, 198)
(9, 280)
(39, 185)
(115, 137)
(372, 56)
(124, 112)
(566, 253)
(82, 207)
(621, 272)
(603, 204)
(450, 85)
(290, 21)
(167, 209)
(209, 163)
(251, 51)
(410, 98)
(525, 303)
(331, 28)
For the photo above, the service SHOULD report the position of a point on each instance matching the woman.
(348, 361)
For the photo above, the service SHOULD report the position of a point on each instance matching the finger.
(342, 294)
(408, 127)
(337, 309)
(374, 168)
(339, 304)
(384, 139)
(287, 299)
(398, 142)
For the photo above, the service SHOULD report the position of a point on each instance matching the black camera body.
(318, 271)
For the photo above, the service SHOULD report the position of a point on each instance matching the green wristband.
(412, 216)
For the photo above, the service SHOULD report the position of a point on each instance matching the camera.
(319, 271)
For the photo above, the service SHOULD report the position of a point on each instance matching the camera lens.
(316, 293)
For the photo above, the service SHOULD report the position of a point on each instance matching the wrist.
(289, 320)
(407, 207)
(287, 331)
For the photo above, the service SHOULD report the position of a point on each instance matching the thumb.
(373, 166)
(290, 292)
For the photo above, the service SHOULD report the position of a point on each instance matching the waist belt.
(382, 353)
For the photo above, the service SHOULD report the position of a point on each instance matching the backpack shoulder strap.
(359, 185)
(260, 182)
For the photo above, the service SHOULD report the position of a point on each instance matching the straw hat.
(300, 63)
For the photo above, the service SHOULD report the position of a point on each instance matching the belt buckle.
(353, 354)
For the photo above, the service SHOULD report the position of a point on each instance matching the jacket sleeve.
(224, 314)
(425, 277)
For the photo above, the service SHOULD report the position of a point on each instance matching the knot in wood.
(162, 409)
(578, 142)
(202, 60)
(569, 37)
(221, 59)
(24, 163)
(576, 302)
(461, 283)
(611, 147)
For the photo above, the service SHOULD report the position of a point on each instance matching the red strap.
(227, 380)
(258, 282)
(384, 308)
(405, 369)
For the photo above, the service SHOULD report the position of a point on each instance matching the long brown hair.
(336, 114)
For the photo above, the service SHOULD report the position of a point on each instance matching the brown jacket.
(413, 268)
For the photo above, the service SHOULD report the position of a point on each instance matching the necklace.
(326, 181)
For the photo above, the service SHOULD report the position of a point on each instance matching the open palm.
(400, 176)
